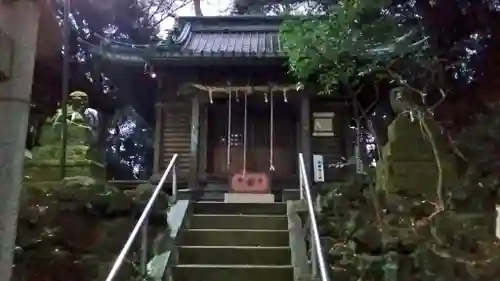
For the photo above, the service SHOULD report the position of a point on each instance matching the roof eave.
(217, 60)
(261, 19)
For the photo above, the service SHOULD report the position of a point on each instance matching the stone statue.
(91, 120)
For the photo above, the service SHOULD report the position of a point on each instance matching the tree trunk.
(197, 8)
(20, 21)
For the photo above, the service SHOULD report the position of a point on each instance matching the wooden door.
(257, 139)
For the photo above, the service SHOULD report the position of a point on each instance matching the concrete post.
(19, 20)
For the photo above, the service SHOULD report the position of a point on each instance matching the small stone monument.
(44, 164)
(408, 162)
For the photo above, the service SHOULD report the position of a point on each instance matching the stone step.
(234, 255)
(291, 194)
(201, 195)
(218, 221)
(233, 237)
(218, 195)
(198, 272)
(240, 208)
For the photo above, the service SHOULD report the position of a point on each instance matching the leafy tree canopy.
(409, 43)
(125, 135)
(353, 40)
(281, 7)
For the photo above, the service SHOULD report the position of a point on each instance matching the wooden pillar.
(305, 132)
(157, 138)
(203, 140)
(195, 134)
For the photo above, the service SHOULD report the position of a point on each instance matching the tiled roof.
(232, 43)
(210, 37)
(242, 36)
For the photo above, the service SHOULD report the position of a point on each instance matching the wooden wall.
(176, 135)
(177, 129)
(331, 147)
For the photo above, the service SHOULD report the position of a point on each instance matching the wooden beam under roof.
(249, 88)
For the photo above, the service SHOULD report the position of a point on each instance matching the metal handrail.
(143, 218)
(316, 251)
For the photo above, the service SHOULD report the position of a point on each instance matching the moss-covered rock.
(44, 165)
(74, 229)
(402, 230)
(46, 159)
(51, 135)
(53, 152)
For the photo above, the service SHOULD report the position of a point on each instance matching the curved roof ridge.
(234, 19)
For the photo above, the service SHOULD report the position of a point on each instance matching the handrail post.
(301, 183)
(140, 225)
(318, 264)
(144, 247)
(174, 184)
(314, 254)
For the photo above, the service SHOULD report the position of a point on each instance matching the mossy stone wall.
(74, 229)
(45, 164)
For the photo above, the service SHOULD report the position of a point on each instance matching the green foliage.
(478, 146)
(442, 232)
(357, 38)
(281, 7)
(75, 229)
(373, 235)
(350, 231)
(405, 234)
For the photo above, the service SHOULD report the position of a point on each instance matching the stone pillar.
(18, 19)
(409, 165)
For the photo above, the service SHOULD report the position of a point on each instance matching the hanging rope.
(357, 149)
(245, 136)
(271, 132)
(229, 118)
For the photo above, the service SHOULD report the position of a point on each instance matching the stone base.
(248, 198)
(49, 170)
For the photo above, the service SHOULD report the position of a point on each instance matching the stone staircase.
(235, 242)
